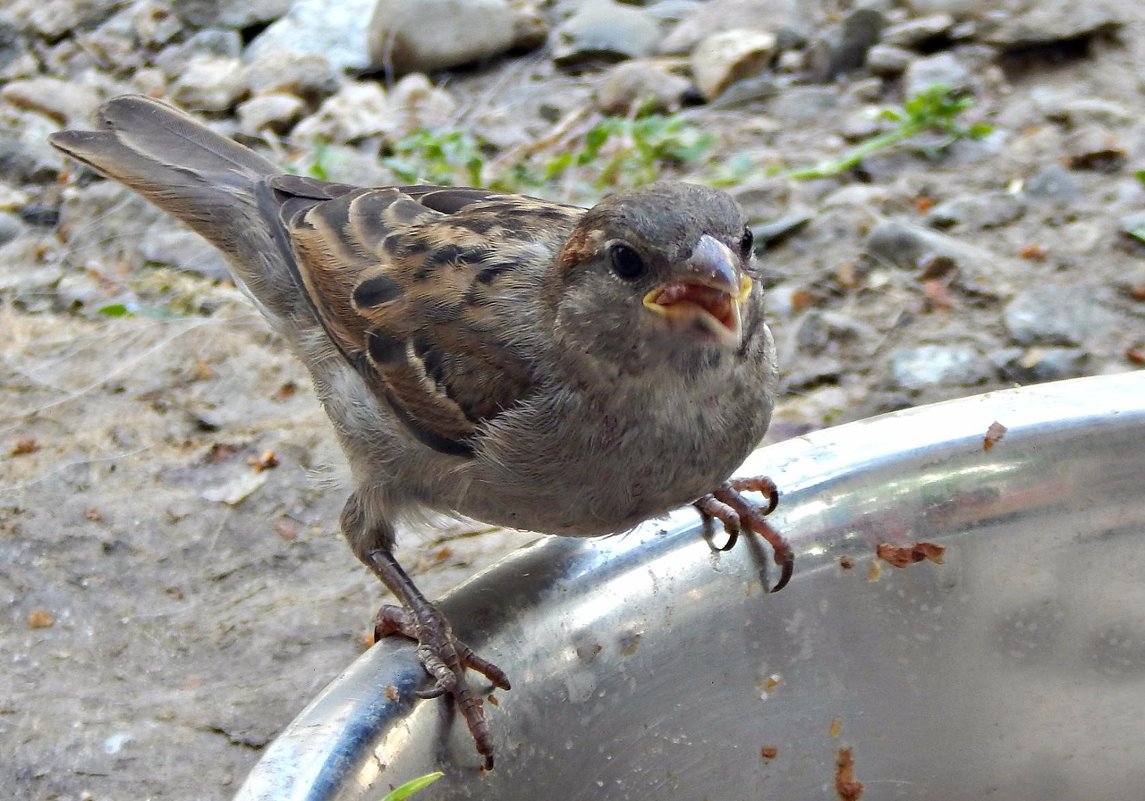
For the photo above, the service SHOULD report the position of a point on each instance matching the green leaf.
(1140, 176)
(1138, 233)
(412, 786)
(116, 310)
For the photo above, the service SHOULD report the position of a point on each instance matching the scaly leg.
(444, 656)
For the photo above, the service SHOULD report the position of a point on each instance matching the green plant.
(438, 157)
(408, 789)
(935, 108)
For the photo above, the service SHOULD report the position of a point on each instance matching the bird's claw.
(728, 505)
(445, 658)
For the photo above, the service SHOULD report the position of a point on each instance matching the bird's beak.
(705, 299)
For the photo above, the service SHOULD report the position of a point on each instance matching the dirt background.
(171, 599)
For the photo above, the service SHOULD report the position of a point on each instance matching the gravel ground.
(173, 584)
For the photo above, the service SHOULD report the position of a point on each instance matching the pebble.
(939, 365)
(837, 51)
(1055, 315)
(209, 83)
(790, 21)
(914, 247)
(167, 242)
(232, 13)
(1053, 184)
(918, 32)
(309, 76)
(219, 42)
(887, 61)
(955, 8)
(11, 226)
(358, 110)
(728, 56)
(602, 30)
(1132, 222)
(276, 111)
(25, 155)
(989, 210)
(1027, 25)
(647, 85)
(52, 19)
(415, 103)
(1094, 147)
(1038, 364)
(941, 68)
(319, 27)
(462, 32)
(155, 22)
(70, 102)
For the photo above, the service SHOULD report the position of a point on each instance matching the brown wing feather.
(404, 281)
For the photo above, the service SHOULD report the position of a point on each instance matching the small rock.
(25, 155)
(15, 59)
(820, 331)
(307, 75)
(790, 21)
(1093, 147)
(12, 199)
(939, 365)
(1036, 365)
(802, 104)
(914, 247)
(236, 14)
(835, 52)
(209, 83)
(941, 68)
(729, 56)
(602, 30)
(1132, 224)
(357, 111)
(955, 8)
(1052, 184)
(11, 226)
(1035, 24)
(462, 32)
(335, 31)
(775, 231)
(155, 22)
(990, 210)
(53, 19)
(888, 61)
(918, 32)
(416, 103)
(1056, 315)
(859, 125)
(276, 111)
(177, 246)
(641, 85)
(70, 102)
(225, 44)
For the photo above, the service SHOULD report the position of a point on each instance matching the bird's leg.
(727, 504)
(444, 656)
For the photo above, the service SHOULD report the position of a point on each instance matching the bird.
(521, 362)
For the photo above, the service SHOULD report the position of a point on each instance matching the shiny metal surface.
(645, 667)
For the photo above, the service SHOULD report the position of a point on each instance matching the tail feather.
(215, 185)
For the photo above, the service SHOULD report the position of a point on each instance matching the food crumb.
(994, 434)
(40, 619)
(846, 562)
(847, 787)
(903, 555)
(769, 752)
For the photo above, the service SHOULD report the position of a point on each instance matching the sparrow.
(524, 363)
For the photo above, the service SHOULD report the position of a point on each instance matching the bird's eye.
(626, 262)
(746, 242)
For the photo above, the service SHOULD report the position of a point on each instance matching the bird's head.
(662, 268)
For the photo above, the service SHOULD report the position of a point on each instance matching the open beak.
(705, 300)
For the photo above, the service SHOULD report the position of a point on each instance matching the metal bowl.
(644, 666)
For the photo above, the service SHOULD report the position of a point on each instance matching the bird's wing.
(410, 283)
